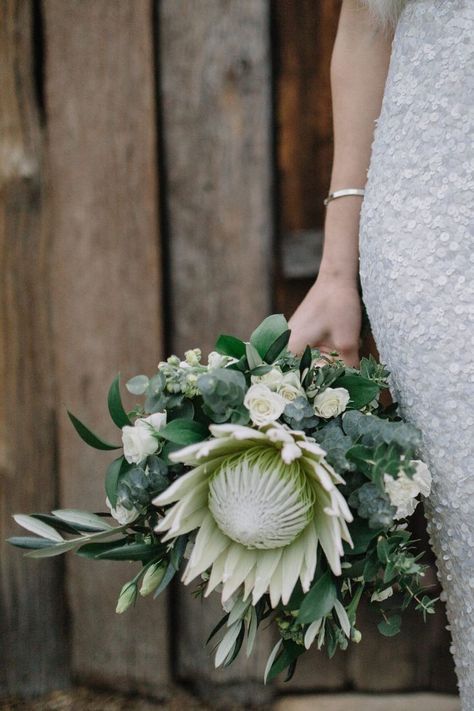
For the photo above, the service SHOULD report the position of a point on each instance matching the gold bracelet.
(360, 192)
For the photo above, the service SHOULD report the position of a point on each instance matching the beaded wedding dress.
(417, 276)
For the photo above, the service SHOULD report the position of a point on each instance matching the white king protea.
(262, 501)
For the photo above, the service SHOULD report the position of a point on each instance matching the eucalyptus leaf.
(137, 385)
(133, 551)
(391, 626)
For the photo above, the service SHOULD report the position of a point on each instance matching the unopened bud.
(356, 635)
(152, 578)
(127, 597)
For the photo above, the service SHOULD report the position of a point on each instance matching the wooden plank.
(216, 84)
(32, 615)
(304, 35)
(215, 62)
(100, 103)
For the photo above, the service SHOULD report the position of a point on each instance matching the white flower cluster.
(269, 394)
(403, 490)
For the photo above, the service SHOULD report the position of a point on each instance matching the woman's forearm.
(358, 71)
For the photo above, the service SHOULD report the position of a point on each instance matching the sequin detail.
(417, 277)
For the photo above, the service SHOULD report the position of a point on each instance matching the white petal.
(189, 523)
(217, 572)
(310, 558)
(276, 585)
(267, 561)
(311, 633)
(252, 632)
(210, 542)
(239, 432)
(190, 503)
(186, 483)
(249, 582)
(243, 567)
(329, 537)
(292, 561)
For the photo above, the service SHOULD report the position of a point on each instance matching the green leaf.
(114, 401)
(89, 437)
(277, 347)
(254, 359)
(216, 629)
(319, 600)
(291, 651)
(83, 519)
(167, 578)
(93, 550)
(29, 542)
(306, 360)
(184, 432)
(57, 523)
(137, 385)
(391, 626)
(51, 551)
(230, 346)
(361, 535)
(115, 472)
(39, 527)
(267, 333)
(361, 390)
(134, 551)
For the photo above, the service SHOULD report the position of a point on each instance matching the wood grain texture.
(100, 103)
(216, 103)
(216, 86)
(33, 646)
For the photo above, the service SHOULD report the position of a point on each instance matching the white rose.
(422, 476)
(290, 387)
(402, 492)
(216, 360)
(272, 379)
(331, 402)
(263, 405)
(139, 440)
(121, 514)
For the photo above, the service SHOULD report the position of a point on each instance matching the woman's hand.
(329, 318)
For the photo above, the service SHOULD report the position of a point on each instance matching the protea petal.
(217, 572)
(244, 564)
(182, 486)
(265, 566)
(189, 523)
(291, 562)
(276, 585)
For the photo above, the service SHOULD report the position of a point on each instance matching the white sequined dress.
(417, 277)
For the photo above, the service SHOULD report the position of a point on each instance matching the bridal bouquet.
(278, 481)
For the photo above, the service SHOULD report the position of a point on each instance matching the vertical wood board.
(33, 644)
(100, 102)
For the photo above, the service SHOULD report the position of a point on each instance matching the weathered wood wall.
(32, 612)
(105, 290)
(216, 113)
(118, 117)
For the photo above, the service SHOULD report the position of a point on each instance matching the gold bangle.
(359, 192)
